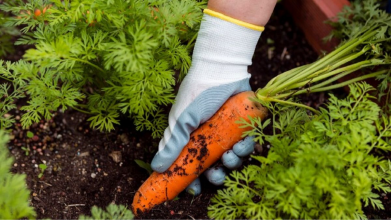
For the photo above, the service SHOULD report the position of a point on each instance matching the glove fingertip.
(231, 160)
(245, 147)
(158, 164)
(216, 175)
(194, 188)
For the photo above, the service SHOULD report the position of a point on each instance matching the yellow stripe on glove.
(233, 20)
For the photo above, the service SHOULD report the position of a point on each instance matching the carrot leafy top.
(363, 54)
(327, 165)
(323, 166)
(101, 57)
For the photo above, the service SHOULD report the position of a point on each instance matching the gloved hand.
(231, 159)
(221, 55)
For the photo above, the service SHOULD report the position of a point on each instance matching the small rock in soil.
(124, 138)
(116, 155)
(258, 148)
(84, 154)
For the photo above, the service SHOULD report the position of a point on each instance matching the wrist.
(234, 20)
(256, 12)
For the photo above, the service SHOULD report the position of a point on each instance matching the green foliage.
(42, 167)
(363, 54)
(7, 98)
(104, 58)
(112, 212)
(325, 166)
(362, 15)
(14, 195)
(6, 35)
(145, 166)
(30, 134)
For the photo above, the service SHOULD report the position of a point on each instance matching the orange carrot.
(37, 13)
(206, 146)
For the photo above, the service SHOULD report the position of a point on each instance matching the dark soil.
(87, 168)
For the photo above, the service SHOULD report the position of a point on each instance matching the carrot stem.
(328, 63)
(357, 79)
(270, 99)
(80, 110)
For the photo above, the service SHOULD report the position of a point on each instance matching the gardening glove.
(231, 159)
(223, 50)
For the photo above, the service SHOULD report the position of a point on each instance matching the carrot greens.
(104, 58)
(352, 20)
(6, 35)
(14, 194)
(357, 56)
(323, 166)
(328, 164)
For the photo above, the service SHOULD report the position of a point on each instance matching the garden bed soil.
(88, 168)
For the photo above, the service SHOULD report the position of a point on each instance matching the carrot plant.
(351, 20)
(112, 211)
(327, 164)
(6, 35)
(14, 202)
(102, 58)
(323, 166)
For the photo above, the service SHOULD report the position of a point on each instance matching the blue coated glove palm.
(219, 70)
(231, 159)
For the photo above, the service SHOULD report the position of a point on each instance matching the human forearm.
(255, 12)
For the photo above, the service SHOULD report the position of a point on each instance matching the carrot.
(37, 13)
(207, 144)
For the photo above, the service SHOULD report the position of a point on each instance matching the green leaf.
(99, 58)
(15, 196)
(30, 134)
(144, 165)
(112, 211)
(42, 167)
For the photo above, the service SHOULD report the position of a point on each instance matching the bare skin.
(255, 12)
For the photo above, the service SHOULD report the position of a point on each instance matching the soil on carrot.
(87, 168)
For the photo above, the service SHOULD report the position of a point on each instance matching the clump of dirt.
(204, 147)
(180, 171)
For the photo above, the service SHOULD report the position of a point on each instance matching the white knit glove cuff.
(224, 49)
